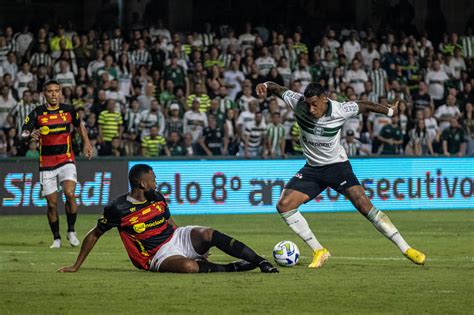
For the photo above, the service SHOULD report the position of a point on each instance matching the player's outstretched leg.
(287, 206)
(53, 219)
(180, 264)
(382, 223)
(204, 238)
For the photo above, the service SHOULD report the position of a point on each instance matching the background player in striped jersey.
(50, 124)
(154, 242)
(327, 165)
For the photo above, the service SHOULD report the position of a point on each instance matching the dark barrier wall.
(98, 182)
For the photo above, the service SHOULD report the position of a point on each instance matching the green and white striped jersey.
(320, 138)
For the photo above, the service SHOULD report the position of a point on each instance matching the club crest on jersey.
(318, 131)
(299, 175)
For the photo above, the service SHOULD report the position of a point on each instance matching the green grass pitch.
(366, 274)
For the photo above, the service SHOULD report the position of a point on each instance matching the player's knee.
(207, 235)
(52, 205)
(285, 205)
(189, 266)
(69, 194)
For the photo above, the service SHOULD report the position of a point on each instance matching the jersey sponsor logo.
(141, 227)
(46, 130)
(317, 144)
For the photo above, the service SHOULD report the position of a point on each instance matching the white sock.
(298, 224)
(383, 224)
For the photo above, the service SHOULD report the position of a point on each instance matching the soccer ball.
(286, 253)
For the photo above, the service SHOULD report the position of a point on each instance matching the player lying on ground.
(327, 165)
(153, 241)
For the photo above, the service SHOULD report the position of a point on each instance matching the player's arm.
(85, 139)
(81, 129)
(87, 245)
(270, 88)
(29, 127)
(368, 106)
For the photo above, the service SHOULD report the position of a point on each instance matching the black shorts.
(312, 180)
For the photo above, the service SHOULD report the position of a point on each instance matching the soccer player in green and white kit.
(321, 120)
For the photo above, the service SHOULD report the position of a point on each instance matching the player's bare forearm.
(83, 133)
(368, 106)
(85, 139)
(87, 245)
(270, 88)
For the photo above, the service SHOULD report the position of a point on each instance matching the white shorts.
(179, 245)
(51, 180)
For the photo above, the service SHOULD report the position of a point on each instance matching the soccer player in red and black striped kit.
(50, 124)
(155, 243)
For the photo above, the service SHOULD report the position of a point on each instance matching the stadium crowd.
(148, 92)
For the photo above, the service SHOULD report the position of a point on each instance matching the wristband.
(266, 85)
(390, 112)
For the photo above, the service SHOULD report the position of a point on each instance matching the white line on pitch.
(55, 251)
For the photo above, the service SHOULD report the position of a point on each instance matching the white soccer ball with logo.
(286, 253)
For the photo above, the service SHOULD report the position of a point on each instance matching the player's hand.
(394, 107)
(88, 150)
(261, 89)
(35, 135)
(67, 269)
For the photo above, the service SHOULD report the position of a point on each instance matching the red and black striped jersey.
(55, 140)
(143, 226)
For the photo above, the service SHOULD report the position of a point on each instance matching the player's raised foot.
(266, 267)
(319, 257)
(72, 238)
(243, 265)
(56, 243)
(415, 256)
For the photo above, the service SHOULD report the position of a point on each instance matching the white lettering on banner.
(243, 186)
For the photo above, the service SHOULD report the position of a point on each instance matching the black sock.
(206, 266)
(71, 220)
(55, 229)
(235, 248)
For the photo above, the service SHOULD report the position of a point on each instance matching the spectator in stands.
(174, 123)
(174, 144)
(445, 112)
(213, 141)
(356, 77)
(453, 139)
(203, 99)
(194, 121)
(7, 103)
(352, 145)
(117, 149)
(436, 79)
(152, 117)
(253, 138)
(351, 46)
(154, 145)
(391, 137)
(275, 138)
(110, 126)
(420, 142)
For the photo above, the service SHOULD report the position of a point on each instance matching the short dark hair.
(313, 89)
(50, 82)
(135, 174)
